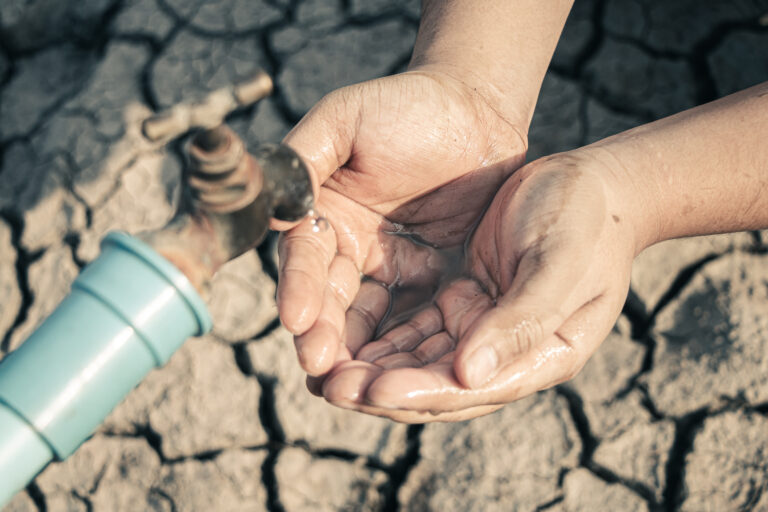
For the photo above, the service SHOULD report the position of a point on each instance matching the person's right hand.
(544, 279)
(407, 165)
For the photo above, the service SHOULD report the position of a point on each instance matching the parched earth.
(670, 414)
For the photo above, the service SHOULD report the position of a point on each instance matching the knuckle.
(523, 336)
(368, 318)
(303, 243)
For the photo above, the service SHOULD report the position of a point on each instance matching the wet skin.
(400, 185)
(547, 269)
(397, 221)
(440, 364)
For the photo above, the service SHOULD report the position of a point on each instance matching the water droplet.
(320, 224)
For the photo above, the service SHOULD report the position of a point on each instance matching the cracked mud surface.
(670, 414)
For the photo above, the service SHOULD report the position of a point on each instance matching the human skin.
(547, 270)
(404, 166)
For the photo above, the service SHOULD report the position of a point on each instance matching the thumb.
(324, 137)
(544, 293)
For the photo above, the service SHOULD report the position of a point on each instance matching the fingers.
(305, 257)
(428, 351)
(405, 337)
(543, 293)
(346, 387)
(318, 346)
(364, 315)
(557, 358)
(458, 305)
(461, 304)
(316, 282)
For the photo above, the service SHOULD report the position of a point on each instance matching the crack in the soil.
(683, 278)
(85, 500)
(636, 312)
(240, 349)
(648, 404)
(269, 480)
(159, 493)
(645, 367)
(155, 47)
(227, 34)
(24, 259)
(576, 408)
(639, 488)
(72, 240)
(398, 472)
(550, 504)
(761, 409)
(274, 67)
(178, 19)
(270, 421)
(269, 329)
(36, 495)
(686, 429)
(154, 440)
(243, 359)
(265, 251)
(590, 443)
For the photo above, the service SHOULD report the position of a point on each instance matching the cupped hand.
(404, 166)
(545, 277)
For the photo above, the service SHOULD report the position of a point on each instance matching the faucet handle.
(207, 113)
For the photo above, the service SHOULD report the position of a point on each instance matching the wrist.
(633, 194)
(500, 48)
(511, 109)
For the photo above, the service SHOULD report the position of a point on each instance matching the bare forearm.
(702, 171)
(501, 47)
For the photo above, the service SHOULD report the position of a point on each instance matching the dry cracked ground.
(671, 414)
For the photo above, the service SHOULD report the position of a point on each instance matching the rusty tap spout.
(232, 194)
(209, 112)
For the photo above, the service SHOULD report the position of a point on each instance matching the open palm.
(407, 165)
(545, 277)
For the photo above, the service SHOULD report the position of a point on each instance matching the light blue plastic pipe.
(128, 311)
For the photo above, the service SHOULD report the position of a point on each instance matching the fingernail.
(481, 366)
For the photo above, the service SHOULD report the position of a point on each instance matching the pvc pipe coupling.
(127, 312)
(131, 308)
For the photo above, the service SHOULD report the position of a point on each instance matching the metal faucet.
(133, 306)
(234, 193)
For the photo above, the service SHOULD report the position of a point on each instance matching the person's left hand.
(546, 275)
(407, 165)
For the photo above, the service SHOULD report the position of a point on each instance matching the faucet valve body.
(133, 306)
(233, 196)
